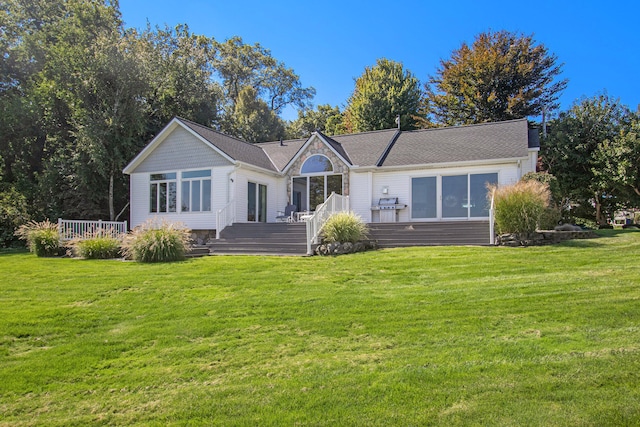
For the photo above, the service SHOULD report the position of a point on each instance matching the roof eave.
(439, 165)
(246, 165)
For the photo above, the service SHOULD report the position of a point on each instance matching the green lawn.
(418, 336)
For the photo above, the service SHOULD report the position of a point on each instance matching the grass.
(417, 336)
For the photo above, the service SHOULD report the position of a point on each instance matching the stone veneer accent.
(319, 147)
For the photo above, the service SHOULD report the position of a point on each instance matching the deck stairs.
(280, 238)
(290, 238)
(441, 233)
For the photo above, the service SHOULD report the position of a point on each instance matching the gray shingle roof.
(235, 148)
(280, 155)
(489, 141)
(365, 149)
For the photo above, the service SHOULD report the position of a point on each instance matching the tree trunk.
(598, 210)
(112, 213)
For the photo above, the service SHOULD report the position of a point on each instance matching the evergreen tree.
(382, 93)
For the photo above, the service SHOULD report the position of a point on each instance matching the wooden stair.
(290, 238)
(441, 233)
(280, 238)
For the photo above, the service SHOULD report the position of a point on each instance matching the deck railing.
(225, 217)
(335, 203)
(492, 221)
(74, 228)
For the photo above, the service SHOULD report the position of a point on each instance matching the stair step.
(290, 238)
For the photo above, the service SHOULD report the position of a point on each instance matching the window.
(196, 191)
(316, 164)
(453, 196)
(162, 197)
(478, 193)
(424, 196)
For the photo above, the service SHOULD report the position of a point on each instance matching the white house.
(192, 174)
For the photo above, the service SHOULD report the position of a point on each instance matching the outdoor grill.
(388, 207)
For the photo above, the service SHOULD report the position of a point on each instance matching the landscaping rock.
(338, 248)
(544, 237)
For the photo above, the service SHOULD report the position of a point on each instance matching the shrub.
(14, 212)
(42, 237)
(518, 207)
(157, 242)
(96, 246)
(344, 227)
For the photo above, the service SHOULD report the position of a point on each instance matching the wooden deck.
(289, 238)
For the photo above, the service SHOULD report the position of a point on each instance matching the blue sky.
(329, 43)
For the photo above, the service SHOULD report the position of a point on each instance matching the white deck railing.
(492, 221)
(335, 203)
(74, 228)
(225, 217)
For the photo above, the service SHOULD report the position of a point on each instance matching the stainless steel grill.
(388, 203)
(388, 207)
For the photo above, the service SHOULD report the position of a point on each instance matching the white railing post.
(225, 217)
(492, 235)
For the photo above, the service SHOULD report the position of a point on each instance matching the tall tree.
(241, 65)
(501, 76)
(180, 73)
(325, 118)
(253, 121)
(111, 119)
(382, 93)
(619, 161)
(571, 153)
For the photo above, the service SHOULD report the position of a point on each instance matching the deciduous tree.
(501, 76)
(325, 118)
(572, 153)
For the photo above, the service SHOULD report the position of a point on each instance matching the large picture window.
(451, 196)
(196, 191)
(163, 194)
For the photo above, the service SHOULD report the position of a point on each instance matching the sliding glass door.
(256, 202)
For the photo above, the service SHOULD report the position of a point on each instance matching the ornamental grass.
(519, 207)
(344, 227)
(42, 238)
(97, 245)
(156, 241)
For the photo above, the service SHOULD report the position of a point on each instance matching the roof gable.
(232, 149)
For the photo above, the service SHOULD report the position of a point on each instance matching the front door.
(256, 202)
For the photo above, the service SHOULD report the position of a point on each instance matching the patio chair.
(288, 214)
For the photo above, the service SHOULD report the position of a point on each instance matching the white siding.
(181, 149)
(276, 193)
(360, 194)
(140, 188)
(366, 192)
(532, 164)
(139, 196)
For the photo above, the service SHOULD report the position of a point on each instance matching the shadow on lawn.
(592, 243)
